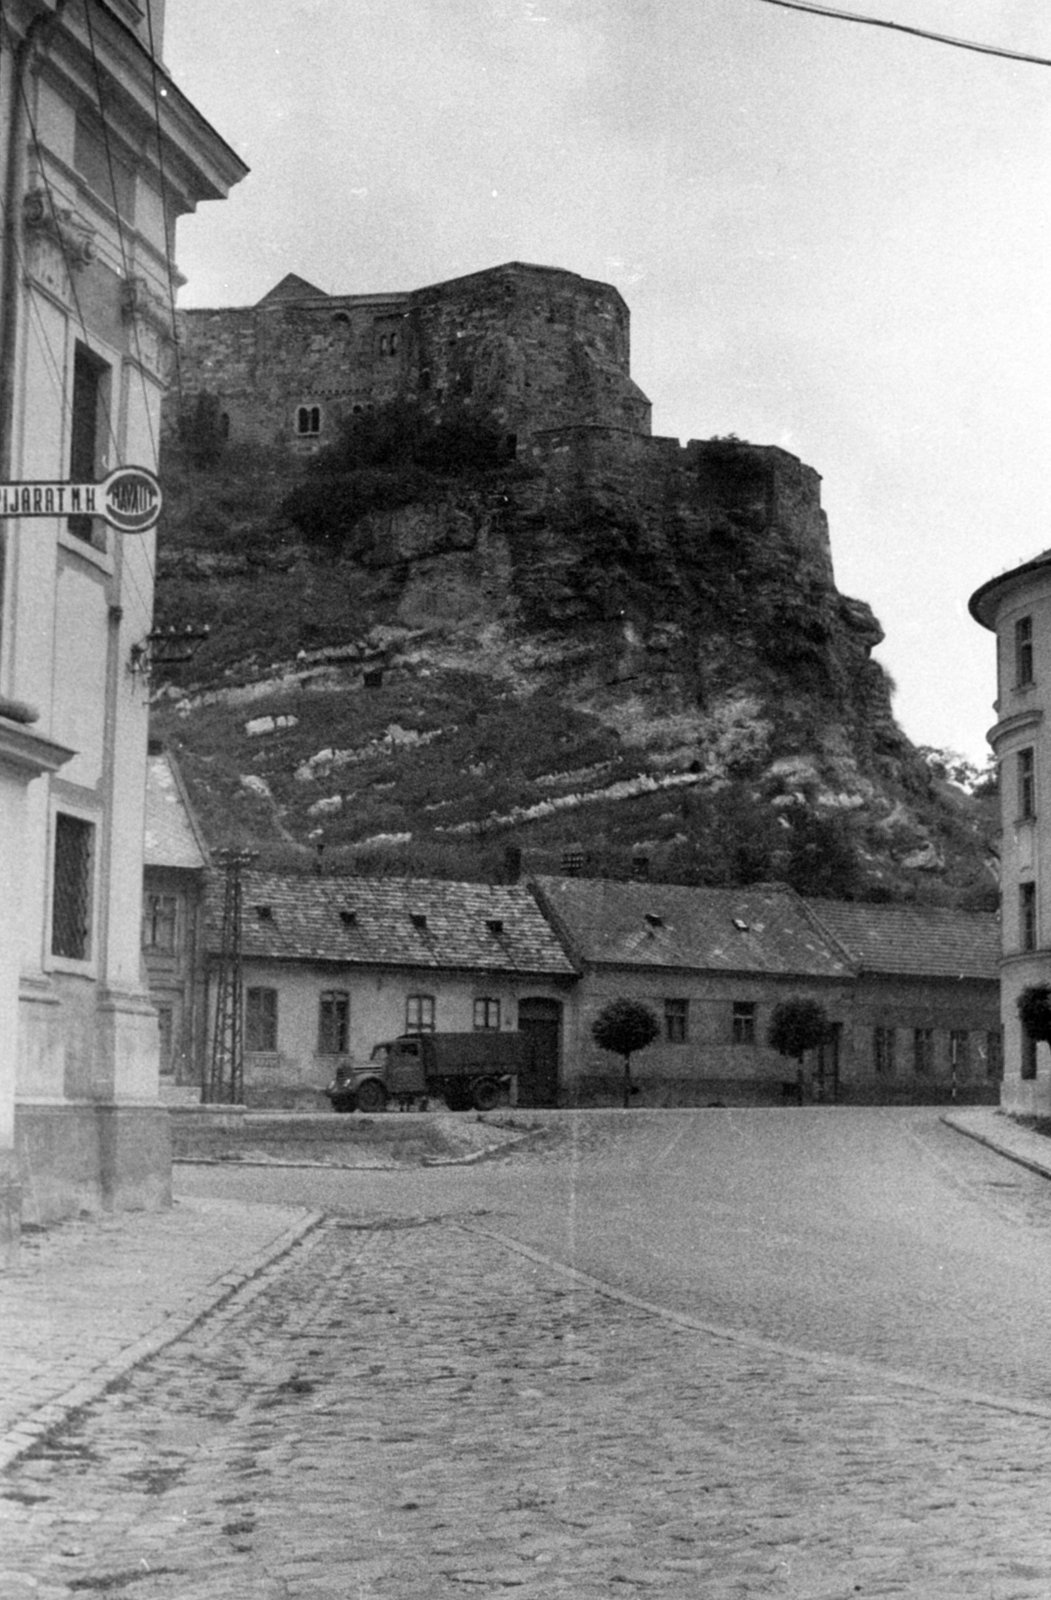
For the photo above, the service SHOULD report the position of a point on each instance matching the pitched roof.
(293, 287)
(765, 928)
(405, 922)
(171, 838)
(914, 941)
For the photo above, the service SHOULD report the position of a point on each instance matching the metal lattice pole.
(226, 1075)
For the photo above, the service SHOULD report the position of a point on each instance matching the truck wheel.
(458, 1097)
(486, 1094)
(372, 1097)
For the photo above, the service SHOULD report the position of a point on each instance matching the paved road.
(409, 1406)
(875, 1234)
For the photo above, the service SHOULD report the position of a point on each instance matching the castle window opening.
(308, 421)
(383, 344)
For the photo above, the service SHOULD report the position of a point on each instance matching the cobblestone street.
(416, 1408)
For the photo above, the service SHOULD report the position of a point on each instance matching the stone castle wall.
(544, 351)
(534, 346)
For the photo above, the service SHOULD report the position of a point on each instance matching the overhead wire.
(904, 27)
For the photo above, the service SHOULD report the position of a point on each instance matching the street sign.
(129, 499)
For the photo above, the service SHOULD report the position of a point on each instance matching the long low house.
(911, 994)
(333, 966)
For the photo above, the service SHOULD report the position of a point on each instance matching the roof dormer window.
(418, 919)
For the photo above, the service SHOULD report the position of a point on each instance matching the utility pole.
(224, 1082)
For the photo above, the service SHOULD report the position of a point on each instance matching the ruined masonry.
(543, 351)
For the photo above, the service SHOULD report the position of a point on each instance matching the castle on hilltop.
(535, 347)
(543, 351)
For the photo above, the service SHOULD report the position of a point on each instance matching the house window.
(333, 1023)
(89, 430)
(159, 920)
(960, 1052)
(260, 1020)
(994, 1054)
(1026, 783)
(1028, 1067)
(744, 1022)
(1027, 915)
(419, 1013)
(923, 1051)
(308, 421)
(486, 1014)
(1023, 651)
(676, 1021)
(71, 901)
(883, 1051)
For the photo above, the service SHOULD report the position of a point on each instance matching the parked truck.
(463, 1069)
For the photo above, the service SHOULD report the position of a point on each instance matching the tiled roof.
(914, 941)
(404, 922)
(171, 838)
(760, 929)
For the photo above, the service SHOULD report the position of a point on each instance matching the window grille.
(159, 919)
(676, 1021)
(744, 1022)
(333, 1023)
(486, 1014)
(1026, 783)
(960, 1052)
(71, 900)
(419, 1013)
(923, 1051)
(261, 1020)
(89, 429)
(1027, 915)
(1023, 651)
(883, 1051)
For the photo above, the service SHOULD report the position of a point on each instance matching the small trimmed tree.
(622, 1027)
(797, 1026)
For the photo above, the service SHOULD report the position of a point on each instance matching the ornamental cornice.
(1019, 723)
(64, 227)
(140, 302)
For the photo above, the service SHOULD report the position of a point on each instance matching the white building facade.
(1016, 606)
(99, 154)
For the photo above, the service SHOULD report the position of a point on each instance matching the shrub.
(798, 1026)
(622, 1027)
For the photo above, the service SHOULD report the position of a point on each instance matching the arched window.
(308, 420)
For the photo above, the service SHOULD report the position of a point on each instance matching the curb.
(853, 1366)
(1041, 1168)
(46, 1418)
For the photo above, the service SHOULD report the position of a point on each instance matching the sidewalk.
(91, 1299)
(1002, 1134)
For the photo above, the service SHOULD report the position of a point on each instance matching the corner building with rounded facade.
(1016, 606)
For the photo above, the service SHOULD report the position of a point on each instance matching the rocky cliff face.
(621, 649)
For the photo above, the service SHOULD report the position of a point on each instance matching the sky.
(832, 238)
